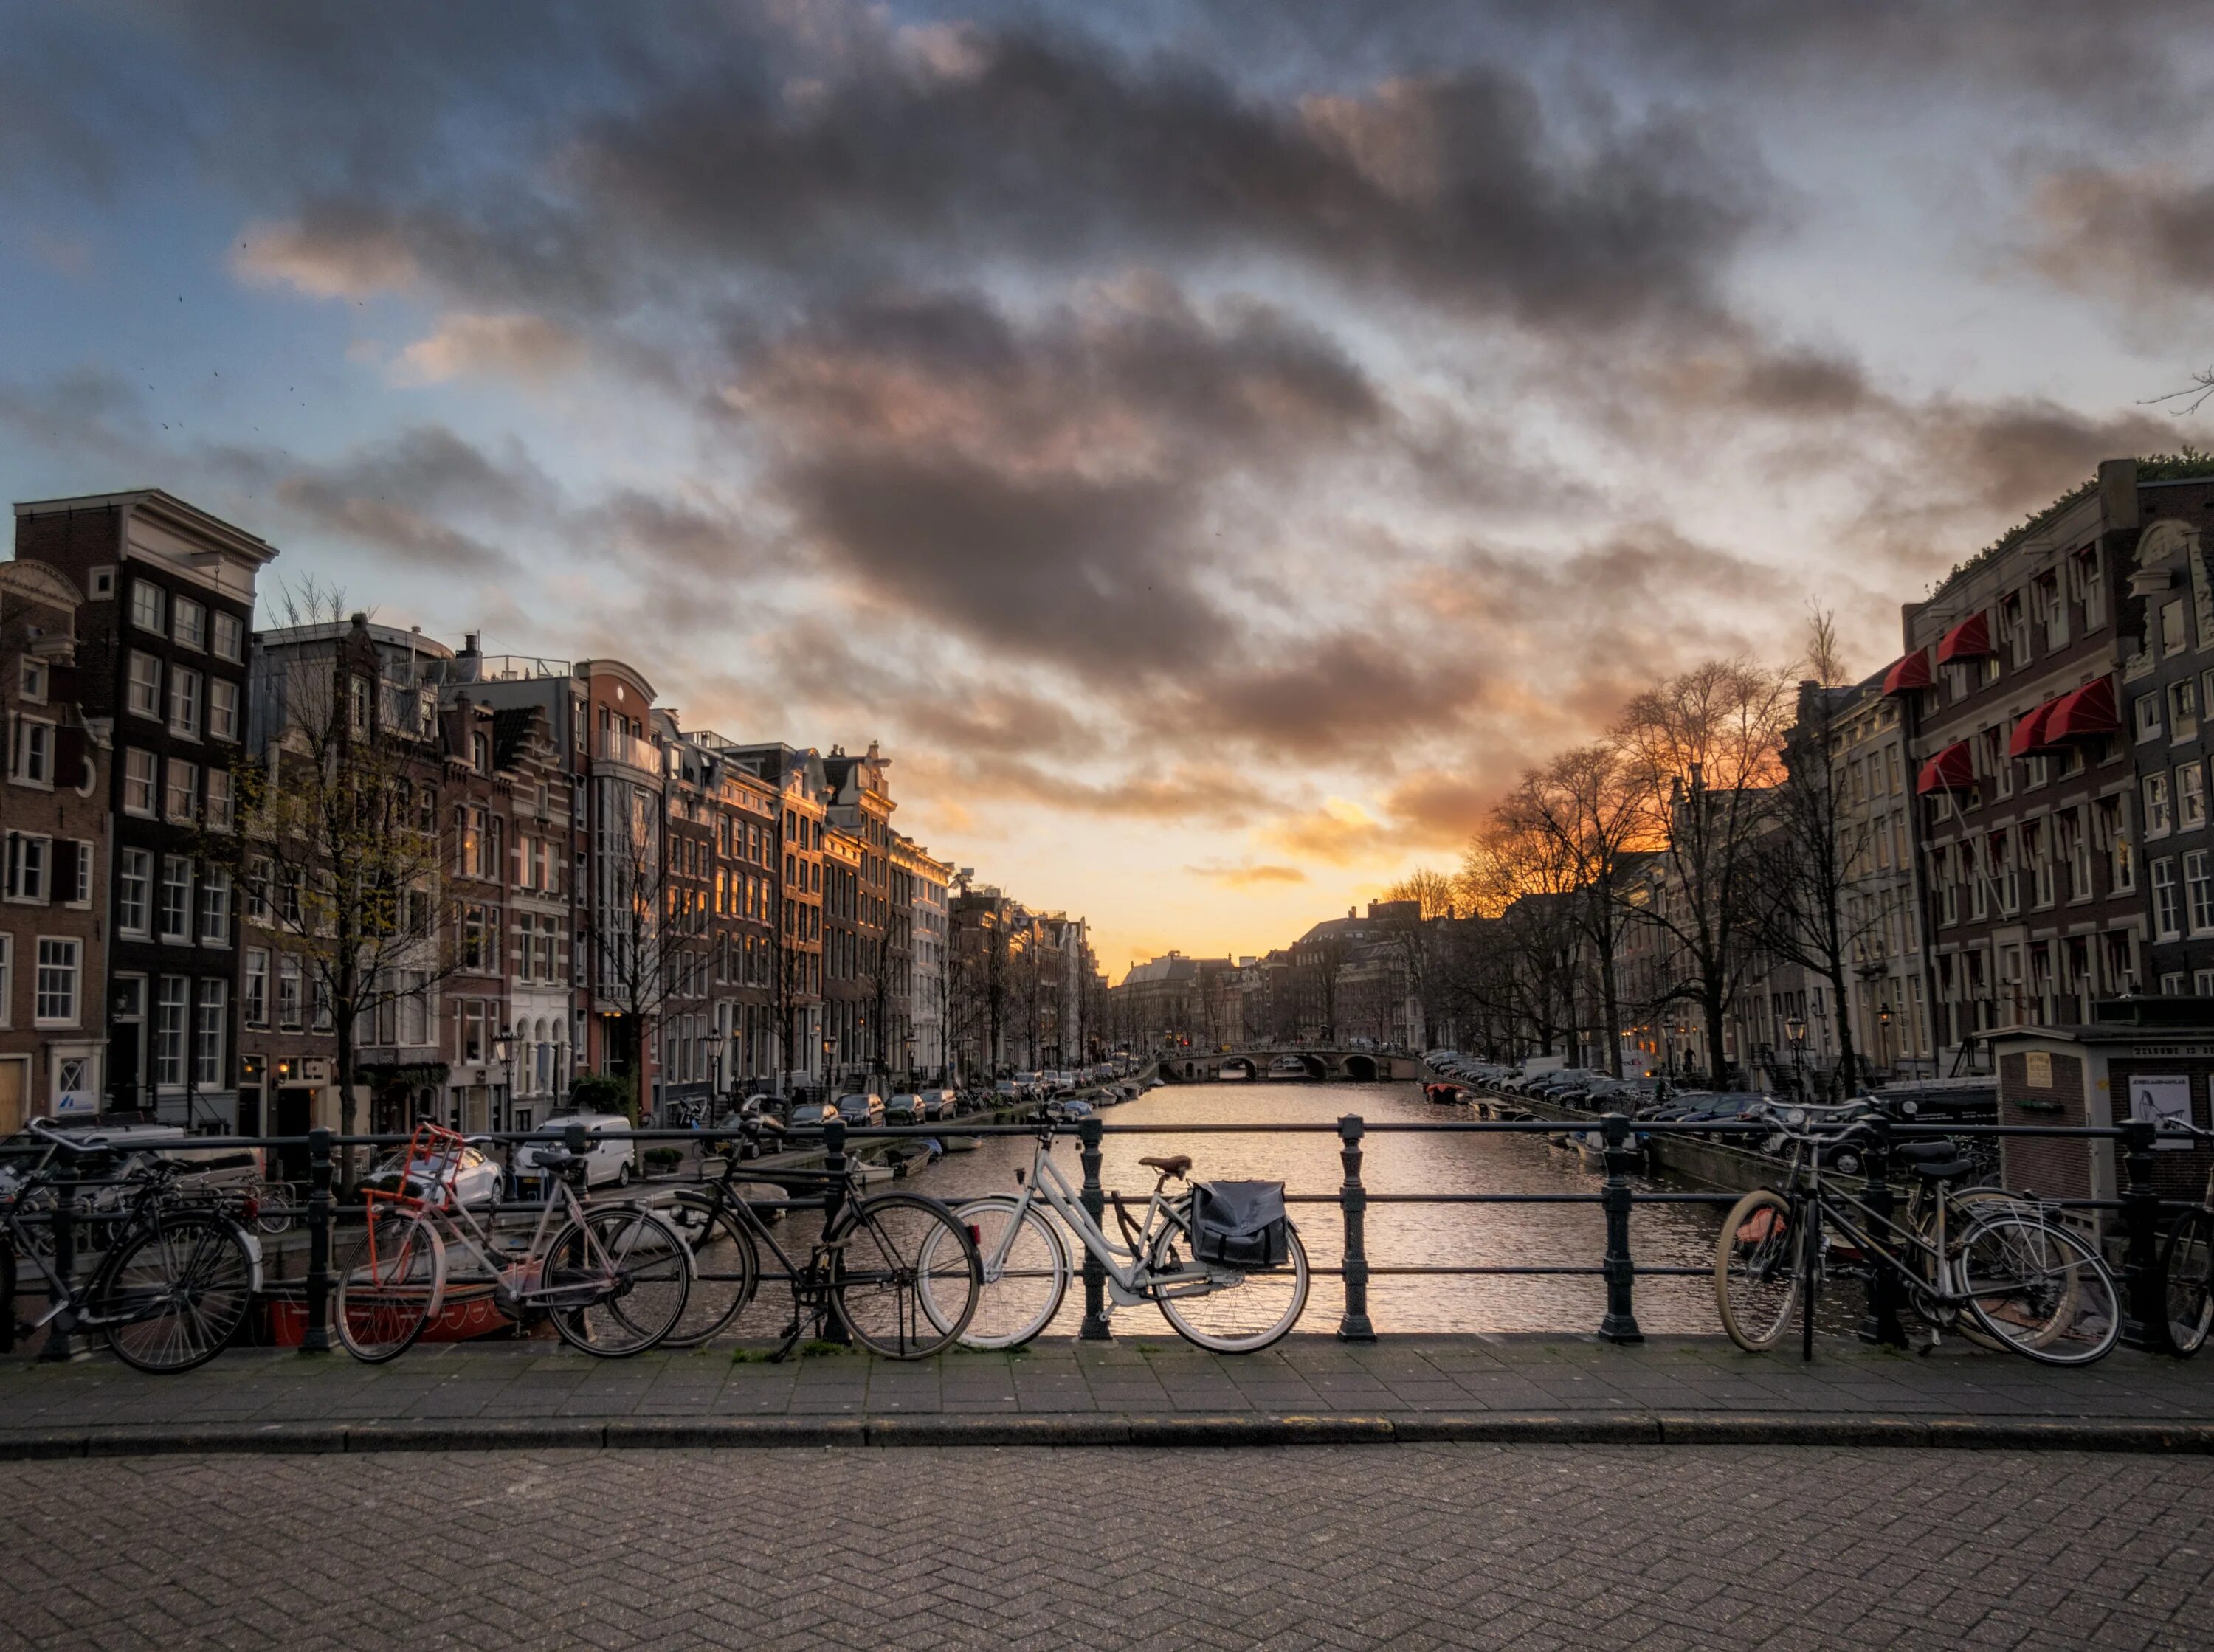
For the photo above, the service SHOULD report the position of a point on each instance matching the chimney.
(468, 664)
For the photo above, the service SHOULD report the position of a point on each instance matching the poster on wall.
(2162, 1100)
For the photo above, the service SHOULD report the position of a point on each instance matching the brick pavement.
(1535, 1548)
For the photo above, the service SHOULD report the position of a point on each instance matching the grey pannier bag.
(1240, 1224)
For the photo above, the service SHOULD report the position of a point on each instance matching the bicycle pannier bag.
(1240, 1224)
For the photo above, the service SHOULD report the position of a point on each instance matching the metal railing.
(2139, 1206)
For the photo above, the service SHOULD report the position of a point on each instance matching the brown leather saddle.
(1171, 1168)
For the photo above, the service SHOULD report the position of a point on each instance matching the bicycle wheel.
(2187, 1264)
(175, 1292)
(391, 1282)
(1025, 1273)
(725, 1270)
(635, 1270)
(2040, 1290)
(904, 1275)
(1756, 1271)
(1233, 1310)
(274, 1214)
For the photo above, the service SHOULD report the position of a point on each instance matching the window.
(7, 978)
(31, 678)
(208, 1034)
(358, 706)
(473, 939)
(79, 887)
(215, 908)
(34, 753)
(137, 782)
(2190, 797)
(55, 1002)
(150, 607)
(142, 691)
(230, 639)
(176, 897)
(223, 709)
(30, 867)
(134, 891)
(2202, 983)
(2156, 801)
(2167, 910)
(184, 786)
(288, 993)
(169, 1003)
(2183, 709)
(2148, 715)
(2172, 639)
(2199, 891)
(219, 800)
(257, 890)
(2171, 986)
(255, 1006)
(186, 688)
(2051, 612)
(480, 752)
(191, 618)
(101, 583)
(415, 1009)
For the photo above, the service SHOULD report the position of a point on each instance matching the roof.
(164, 506)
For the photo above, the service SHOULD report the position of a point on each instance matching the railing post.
(1094, 1327)
(316, 1338)
(63, 1328)
(834, 1200)
(1620, 1323)
(2144, 1292)
(1353, 1203)
(1880, 1325)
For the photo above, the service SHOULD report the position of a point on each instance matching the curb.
(1108, 1428)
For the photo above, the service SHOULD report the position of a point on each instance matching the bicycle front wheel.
(1756, 1271)
(273, 1214)
(1233, 1310)
(905, 1275)
(633, 1268)
(2040, 1290)
(725, 1270)
(2187, 1263)
(175, 1293)
(391, 1281)
(1025, 1273)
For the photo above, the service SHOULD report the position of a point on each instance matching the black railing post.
(2144, 1292)
(316, 1338)
(1353, 1203)
(1094, 1327)
(1880, 1325)
(833, 1201)
(61, 1333)
(1620, 1323)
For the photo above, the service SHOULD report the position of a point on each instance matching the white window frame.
(35, 742)
(150, 607)
(141, 686)
(71, 973)
(191, 771)
(254, 1001)
(33, 679)
(173, 897)
(149, 784)
(165, 1062)
(210, 1026)
(2166, 900)
(216, 805)
(2198, 892)
(29, 873)
(213, 926)
(134, 866)
(7, 979)
(79, 894)
(223, 703)
(187, 702)
(180, 606)
(228, 638)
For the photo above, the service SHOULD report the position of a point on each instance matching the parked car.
(907, 1108)
(1069, 1110)
(1007, 1092)
(606, 1160)
(478, 1179)
(808, 1115)
(863, 1108)
(941, 1104)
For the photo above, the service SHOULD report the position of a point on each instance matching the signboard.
(73, 1093)
(2037, 1070)
(2161, 1098)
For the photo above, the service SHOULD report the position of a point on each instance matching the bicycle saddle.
(1176, 1164)
(1940, 1170)
(1925, 1152)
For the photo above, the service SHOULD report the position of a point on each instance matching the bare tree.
(1411, 937)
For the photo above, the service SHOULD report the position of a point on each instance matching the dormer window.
(480, 752)
(33, 681)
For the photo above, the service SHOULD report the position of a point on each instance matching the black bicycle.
(2187, 1261)
(899, 1271)
(177, 1280)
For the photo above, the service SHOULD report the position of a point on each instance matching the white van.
(607, 1160)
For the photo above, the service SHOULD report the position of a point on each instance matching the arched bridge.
(1286, 1066)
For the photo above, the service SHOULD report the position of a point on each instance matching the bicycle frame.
(1129, 1281)
(521, 1278)
(63, 1297)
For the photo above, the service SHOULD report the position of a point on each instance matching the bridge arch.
(1360, 1069)
(1238, 1067)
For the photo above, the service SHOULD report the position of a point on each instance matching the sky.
(1213, 448)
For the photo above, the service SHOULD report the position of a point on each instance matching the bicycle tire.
(1024, 1290)
(1756, 1271)
(196, 1261)
(878, 1282)
(725, 1270)
(390, 1286)
(278, 1220)
(7, 1293)
(641, 1299)
(2040, 1290)
(1256, 1329)
(2186, 1262)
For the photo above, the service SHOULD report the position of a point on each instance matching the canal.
(1398, 1235)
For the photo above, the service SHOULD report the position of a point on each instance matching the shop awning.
(1908, 673)
(1969, 640)
(1953, 769)
(2090, 713)
(2029, 735)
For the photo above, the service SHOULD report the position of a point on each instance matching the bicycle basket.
(1240, 1224)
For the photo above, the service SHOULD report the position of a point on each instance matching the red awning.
(2087, 714)
(1969, 640)
(1907, 674)
(1953, 769)
(2029, 734)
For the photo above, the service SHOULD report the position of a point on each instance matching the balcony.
(617, 746)
(519, 668)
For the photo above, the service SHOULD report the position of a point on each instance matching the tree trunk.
(1711, 1002)
(1846, 1060)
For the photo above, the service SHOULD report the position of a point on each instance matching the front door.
(15, 1085)
(296, 1111)
(250, 1110)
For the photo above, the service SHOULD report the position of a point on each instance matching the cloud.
(1248, 876)
(1340, 832)
(334, 253)
(516, 345)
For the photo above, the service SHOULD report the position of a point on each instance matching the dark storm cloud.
(2137, 237)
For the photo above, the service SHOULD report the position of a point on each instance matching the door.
(296, 1115)
(15, 1085)
(250, 1110)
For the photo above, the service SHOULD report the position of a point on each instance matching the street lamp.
(1796, 1030)
(502, 1052)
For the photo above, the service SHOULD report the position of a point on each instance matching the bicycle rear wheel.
(1022, 1289)
(1225, 1314)
(906, 1277)
(273, 1215)
(2040, 1290)
(176, 1291)
(725, 1270)
(637, 1270)
(2187, 1262)
(1756, 1271)
(391, 1281)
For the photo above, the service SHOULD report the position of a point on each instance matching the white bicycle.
(1027, 1264)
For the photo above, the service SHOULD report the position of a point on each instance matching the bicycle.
(613, 1277)
(1222, 1308)
(176, 1281)
(2186, 1261)
(2022, 1279)
(896, 1270)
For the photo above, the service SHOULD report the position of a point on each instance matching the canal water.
(1397, 1235)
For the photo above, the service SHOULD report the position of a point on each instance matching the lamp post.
(1883, 1037)
(1796, 1030)
(502, 1052)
